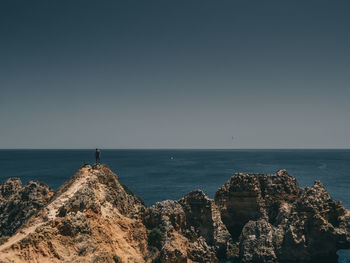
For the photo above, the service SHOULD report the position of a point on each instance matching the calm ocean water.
(156, 175)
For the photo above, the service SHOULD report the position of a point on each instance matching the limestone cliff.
(192, 227)
(274, 220)
(93, 218)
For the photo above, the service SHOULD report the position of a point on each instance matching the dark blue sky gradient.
(174, 74)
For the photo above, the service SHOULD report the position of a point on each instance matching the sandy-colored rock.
(89, 219)
(254, 218)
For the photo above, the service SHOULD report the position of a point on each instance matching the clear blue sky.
(174, 74)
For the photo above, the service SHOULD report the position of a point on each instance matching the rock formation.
(18, 203)
(274, 220)
(192, 229)
(93, 218)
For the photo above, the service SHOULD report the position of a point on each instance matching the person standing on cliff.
(97, 156)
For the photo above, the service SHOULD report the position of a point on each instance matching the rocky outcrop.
(314, 228)
(256, 243)
(274, 220)
(102, 180)
(91, 218)
(192, 229)
(18, 203)
(252, 196)
(253, 218)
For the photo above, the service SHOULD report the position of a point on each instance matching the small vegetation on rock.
(116, 259)
(128, 191)
(3, 239)
(155, 238)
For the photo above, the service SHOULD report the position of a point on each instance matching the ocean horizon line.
(173, 149)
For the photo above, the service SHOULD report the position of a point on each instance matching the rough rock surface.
(253, 218)
(252, 196)
(192, 229)
(256, 242)
(91, 218)
(274, 220)
(18, 203)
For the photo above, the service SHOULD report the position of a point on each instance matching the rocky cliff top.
(18, 203)
(93, 218)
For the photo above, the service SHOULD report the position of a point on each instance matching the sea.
(157, 175)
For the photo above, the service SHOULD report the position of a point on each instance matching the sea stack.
(93, 218)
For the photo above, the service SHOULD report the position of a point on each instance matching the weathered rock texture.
(91, 218)
(192, 229)
(274, 220)
(253, 218)
(18, 203)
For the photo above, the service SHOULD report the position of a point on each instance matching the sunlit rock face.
(93, 218)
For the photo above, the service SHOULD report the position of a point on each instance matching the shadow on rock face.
(254, 218)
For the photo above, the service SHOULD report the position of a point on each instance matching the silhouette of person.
(97, 155)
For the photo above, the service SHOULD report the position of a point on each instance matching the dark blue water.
(156, 175)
